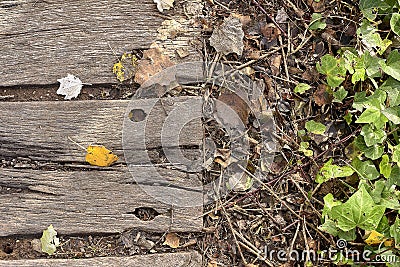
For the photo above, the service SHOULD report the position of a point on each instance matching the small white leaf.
(70, 86)
(164, 4)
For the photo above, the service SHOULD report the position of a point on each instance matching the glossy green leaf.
(395, 232)
(359, 210)
(385, 196)
(372, 135)
(315, 127)
(340, 94)
(395, 23)
(385, 168)
(365, 169)
(329, 171)
(317, 22)
(333, 68)
(393, 114)
(392, 88)
(301, 88)
(392, 64)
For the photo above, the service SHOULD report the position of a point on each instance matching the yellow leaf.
(100, 156)
(171, 240)
(125, 68)
(375, 238)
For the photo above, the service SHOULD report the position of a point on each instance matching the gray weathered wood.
(42, 41)
(40, 130)
(99, 200)
(182, 259)
(94, 201)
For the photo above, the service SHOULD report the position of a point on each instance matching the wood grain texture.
(96, 201)
(40, 130)
(180, 259)
(42, 41)
(79, 198)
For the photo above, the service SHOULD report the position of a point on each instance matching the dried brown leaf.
(321, 96)
(172, 240)
(270, 31)
(275, 63)
(153, 62)
(228, 37)
(237, 104)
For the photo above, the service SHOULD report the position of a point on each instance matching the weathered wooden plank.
(43, 40)
(98, 201)
(182, 259)
(40, 130)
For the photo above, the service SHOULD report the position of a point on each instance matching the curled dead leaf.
(275, 63)
(164, 4)
(172, 240)
(321, 96)
(170, 28)
(236, 103)
(228, 37)
(270, 31)
(153, 62)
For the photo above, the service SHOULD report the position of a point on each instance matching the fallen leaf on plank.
(153, 62)
(100, 156)
(70, 86)
(125, 68)
(164, 4)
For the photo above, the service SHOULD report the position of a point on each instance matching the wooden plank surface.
(79, 198)
(181, 259)
(41, 41)
(40, 130)
(93, 202)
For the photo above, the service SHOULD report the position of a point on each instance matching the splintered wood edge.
(98, 201)
(43, 130)
(183, 259)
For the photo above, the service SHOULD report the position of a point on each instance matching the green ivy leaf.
(329, 226)
(49, 240)
(365, 169)
(385, 196)
(372, 135)
(329, 171)
(372, 152)
(329, 203)
(392, 88)
(304, 148)
(395, 23)
(395, 232)
(340, 94)
(385, 168)
(333, 68)
(315, 127)
(317, 23)
(301, 88)
(370, 4)
(392, 65)
(358, 211)
(393, 114)
(370, 115)
(348, 118)
(396, 154)
(371, 38)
